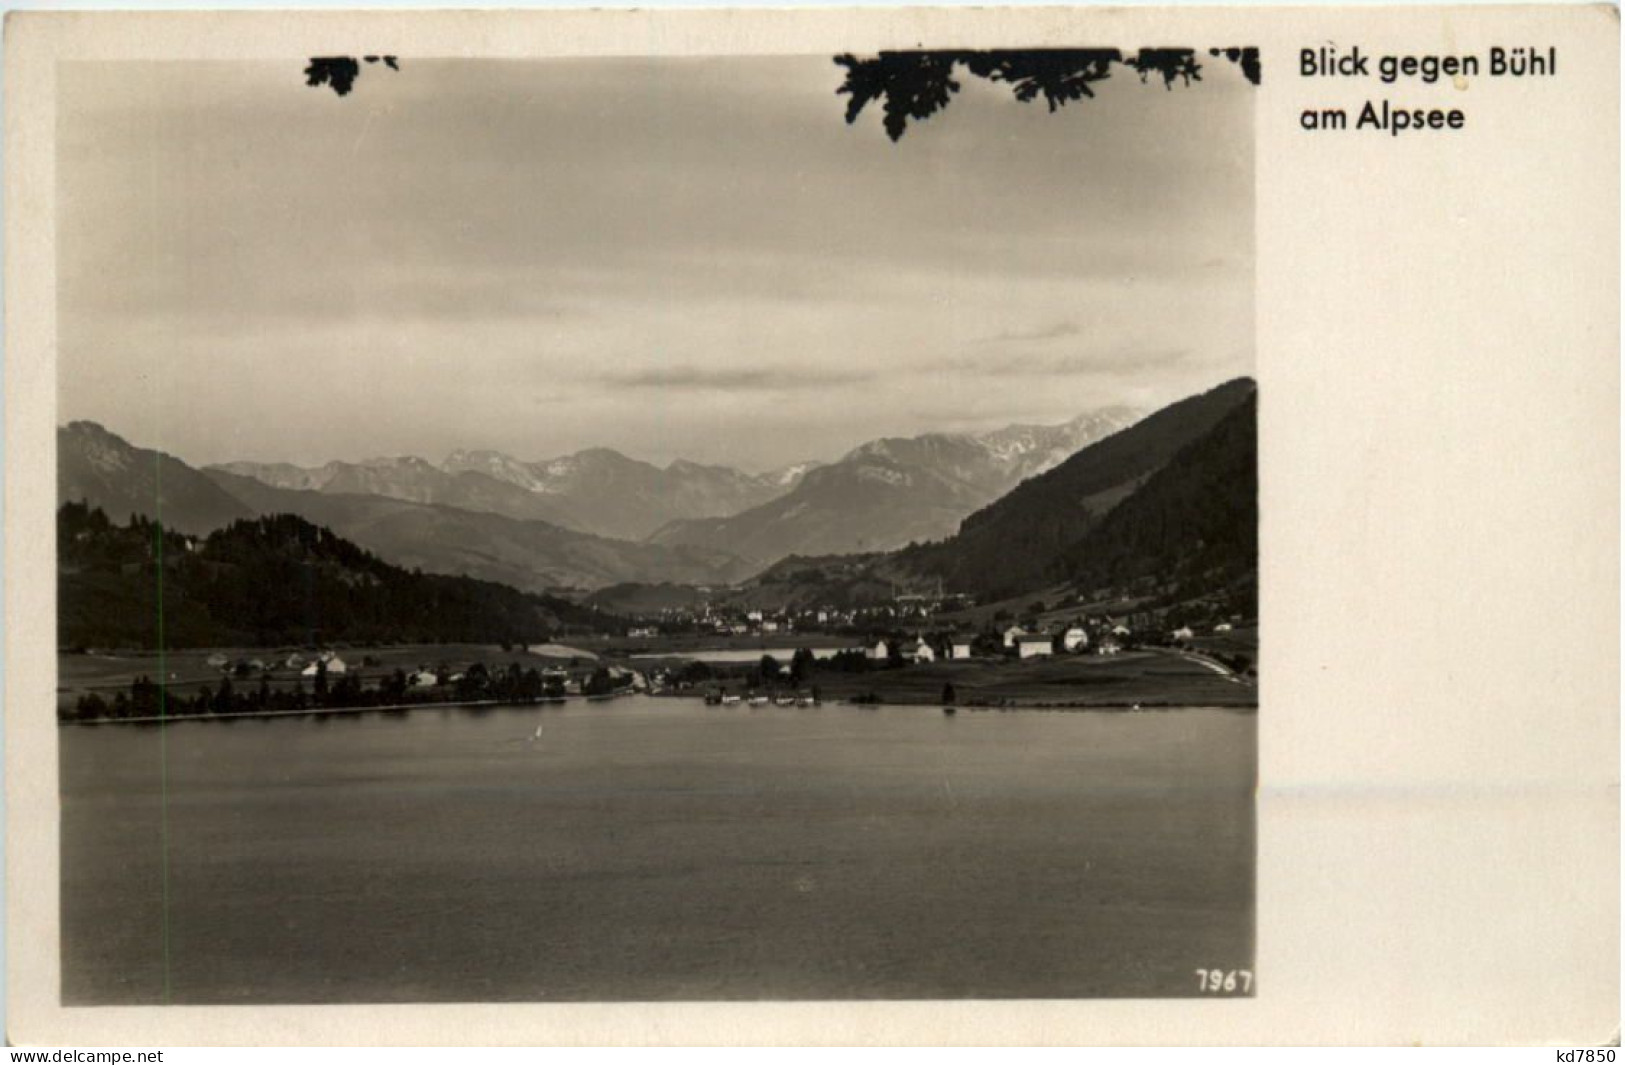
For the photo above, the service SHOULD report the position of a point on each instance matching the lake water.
(650, 849)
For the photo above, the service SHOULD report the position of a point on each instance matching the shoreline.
(318, 711)
(406, 708)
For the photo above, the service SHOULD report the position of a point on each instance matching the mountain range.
(102, 469)
(889, 492)
(598, 491)
(551, 524)
(1164, 510)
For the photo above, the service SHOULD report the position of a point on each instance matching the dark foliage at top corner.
(916, 85)
(340, 71)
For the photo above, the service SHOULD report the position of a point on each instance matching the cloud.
(744, 379)
(1118, 364)
(1055, 332)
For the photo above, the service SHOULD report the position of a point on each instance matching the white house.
(217, 660)
(1012, 634)
(770, 626)
(1183, 633)
(1075, 639)
(1223, 626)
(1108, 646)
(959, 648)
(1121, 630)
(1034, 645)
(922, 652)
(424, 679)
(335, 664)
(878, 651)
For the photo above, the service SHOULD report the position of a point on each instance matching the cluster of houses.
(1024, 644)
(420, 678)
(721, 620)
(718, 698)
(336, 666)
(1108, 637)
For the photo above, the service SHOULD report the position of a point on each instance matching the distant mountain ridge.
(104, 470)
(411, 479)
(889, 492)
(613, 495)
(96, 465)
(1164, 511)
(487, 515)
(906, 488)
(529, 555)
(598, 490)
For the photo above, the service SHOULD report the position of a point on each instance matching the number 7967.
(1224, 981)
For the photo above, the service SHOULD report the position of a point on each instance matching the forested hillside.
(1191, 531)
(269, 581)
(1014, 544)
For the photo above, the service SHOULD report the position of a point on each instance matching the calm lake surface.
(649, 849)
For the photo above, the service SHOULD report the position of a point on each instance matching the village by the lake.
(920, 651)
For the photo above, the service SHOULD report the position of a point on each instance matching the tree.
(90, 706)
(801, 666)
(475, 681)
(394, 685)
(770, 669)
(340, 71)
(949, 696)
(600, 683)
(916, 85)
(530, 685)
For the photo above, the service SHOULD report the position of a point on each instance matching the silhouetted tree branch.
(340, 71)
(916, 85)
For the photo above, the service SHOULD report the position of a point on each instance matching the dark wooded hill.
(1018, 543)
(1190, 532)
(273, 581)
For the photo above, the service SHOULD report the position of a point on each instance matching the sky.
(677, 258)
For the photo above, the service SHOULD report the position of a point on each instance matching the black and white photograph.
(658, 528)
(756, 528)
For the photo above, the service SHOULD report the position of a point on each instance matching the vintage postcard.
(813, 526)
